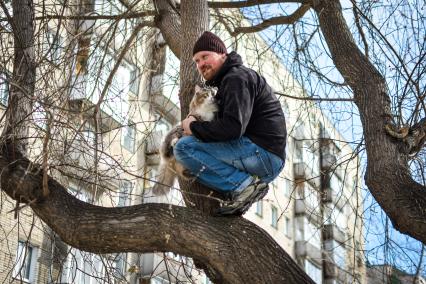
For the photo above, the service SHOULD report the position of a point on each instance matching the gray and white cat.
(203, 107)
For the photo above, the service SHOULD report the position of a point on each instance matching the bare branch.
(360, 30)
(283, 20)
(316, 99)
(248, 3)
(95, 16)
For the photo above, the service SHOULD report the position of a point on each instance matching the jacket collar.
(232, 59)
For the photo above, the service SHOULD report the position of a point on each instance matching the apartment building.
(107, 154)
(378, 274)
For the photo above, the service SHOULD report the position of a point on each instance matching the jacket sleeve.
(238, 97)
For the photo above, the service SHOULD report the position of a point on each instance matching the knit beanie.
(209, 42)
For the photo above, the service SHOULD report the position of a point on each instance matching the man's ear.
(197, 88)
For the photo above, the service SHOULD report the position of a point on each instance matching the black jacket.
(247, 106)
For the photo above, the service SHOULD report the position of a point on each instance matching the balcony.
(303, 209)
(334, 197)
(335, 275)
(80, 164)
(334, 259)
(300, 207)
(328, 161)
(81, 103)
(330, 270)
(306, 250)
(332, 232)
(302, 172)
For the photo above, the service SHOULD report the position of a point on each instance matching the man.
(243, 148)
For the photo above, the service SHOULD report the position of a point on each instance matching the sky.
(383, 244)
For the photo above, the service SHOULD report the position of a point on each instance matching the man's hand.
(185, 125)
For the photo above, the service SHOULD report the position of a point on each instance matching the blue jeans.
(227, 166)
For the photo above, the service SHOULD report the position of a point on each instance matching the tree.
(156, 227)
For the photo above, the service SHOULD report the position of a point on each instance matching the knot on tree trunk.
(413, 137)
(21, 178)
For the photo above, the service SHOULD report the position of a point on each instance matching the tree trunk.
(18, 113)
(233, 250)
(388, 175)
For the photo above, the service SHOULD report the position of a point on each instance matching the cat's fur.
(203, 107)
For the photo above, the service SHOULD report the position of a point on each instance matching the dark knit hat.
(209, 42)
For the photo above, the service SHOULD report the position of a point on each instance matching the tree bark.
(194, 22)
(18, 113)
(233, 250)
(237, 250)
(168, 21)
(388, 175)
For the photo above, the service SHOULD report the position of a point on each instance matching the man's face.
(209, 63)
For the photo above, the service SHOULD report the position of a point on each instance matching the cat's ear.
(197, 88)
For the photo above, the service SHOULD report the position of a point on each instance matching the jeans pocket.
(253, 164)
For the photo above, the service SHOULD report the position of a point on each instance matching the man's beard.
(207, 71)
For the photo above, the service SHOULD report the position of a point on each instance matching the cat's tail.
(165, 180)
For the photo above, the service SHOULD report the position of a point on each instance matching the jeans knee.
(181, 148)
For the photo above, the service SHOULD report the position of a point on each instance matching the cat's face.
(202, 96)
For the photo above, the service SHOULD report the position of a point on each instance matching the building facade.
(105, 152)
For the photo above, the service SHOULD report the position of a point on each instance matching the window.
(124, 193)
(306, 231)
(161, 124)
(337, 253)
(274, 216)
(134, 80)
(53, 48)
(286, 110)
(77, 193)
(288, 187)
(83, 268)
(341, 220)
(40, 115)
(4, 89)
(25, 263)
(298, 151)
(313, 271)
(287, 227)
(115, 100)
(311, 196)
(118, 266)
(129, 137)
(259, 208)
(159, 280)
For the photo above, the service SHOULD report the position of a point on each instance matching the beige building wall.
(284, 213)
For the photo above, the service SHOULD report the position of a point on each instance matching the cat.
(203, 107)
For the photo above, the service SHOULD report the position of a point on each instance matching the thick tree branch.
(168, 21)
(283, 20)
(234, 248)
(388, 175)
(224, 244)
